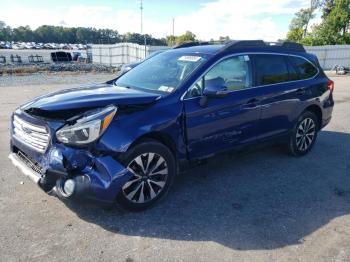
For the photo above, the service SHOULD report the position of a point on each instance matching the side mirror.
(215, 90)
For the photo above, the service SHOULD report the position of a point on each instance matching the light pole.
(314, 4)
(144, 37)
(173, 31)
(141, 9)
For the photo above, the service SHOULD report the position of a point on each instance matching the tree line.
(88, 35)
(73, 35)
(334, 27)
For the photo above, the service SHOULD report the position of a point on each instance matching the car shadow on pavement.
(251, 201)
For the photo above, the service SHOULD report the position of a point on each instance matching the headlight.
(88, 128)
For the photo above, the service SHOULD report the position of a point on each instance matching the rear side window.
(293, 72)
(304, 68)
(271, 69)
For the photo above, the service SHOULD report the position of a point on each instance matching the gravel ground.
(257, 206)
(53, 79)
(72, 67)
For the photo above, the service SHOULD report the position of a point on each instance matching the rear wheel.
(304, 134)
(153, 167)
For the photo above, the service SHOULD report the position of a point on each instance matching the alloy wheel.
(305, 134)
(150, 174)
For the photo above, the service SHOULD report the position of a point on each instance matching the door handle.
(251, 104)
(300, 92)
(252, 101)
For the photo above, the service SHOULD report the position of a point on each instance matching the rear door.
(282, 93)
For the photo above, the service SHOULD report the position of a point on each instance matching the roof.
(204, 49)
(239, 46)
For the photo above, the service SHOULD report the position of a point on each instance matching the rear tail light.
(330, 85)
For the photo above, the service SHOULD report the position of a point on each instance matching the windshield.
(163, 72)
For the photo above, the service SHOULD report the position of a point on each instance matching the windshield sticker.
(168, 89)
(189, 58)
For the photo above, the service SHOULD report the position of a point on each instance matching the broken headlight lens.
(88, 128)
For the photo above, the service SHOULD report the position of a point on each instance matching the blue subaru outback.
(125, 140)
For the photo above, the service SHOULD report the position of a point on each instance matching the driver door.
(223, 122)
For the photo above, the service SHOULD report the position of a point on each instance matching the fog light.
(68, 187)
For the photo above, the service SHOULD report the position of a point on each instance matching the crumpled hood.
(90, 97)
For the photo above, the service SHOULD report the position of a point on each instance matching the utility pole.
(173, 31)
(314, 4)
(144, 37)
(141, 9)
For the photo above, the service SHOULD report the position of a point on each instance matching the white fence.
(122, 53)
(331, 55)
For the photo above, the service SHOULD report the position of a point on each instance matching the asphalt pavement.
(261, 205)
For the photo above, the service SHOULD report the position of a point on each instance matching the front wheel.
(304, 134)
(153, 167)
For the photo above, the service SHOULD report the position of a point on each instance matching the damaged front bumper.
(71, 172)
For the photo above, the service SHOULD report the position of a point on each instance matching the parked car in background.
(33, 45)
(125, 140)
(341, 70)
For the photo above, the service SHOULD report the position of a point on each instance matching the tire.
(301, 142)
(154, 169)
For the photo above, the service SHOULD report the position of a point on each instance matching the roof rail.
(288, 46)
(190, 43)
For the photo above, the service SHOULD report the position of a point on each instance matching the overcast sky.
(248, 19)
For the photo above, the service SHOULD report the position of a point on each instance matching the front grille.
(30, 163)
(33, 136)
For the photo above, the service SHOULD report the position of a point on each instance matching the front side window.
(234, 73)
(306, 69)
(271, 69)
(163, 72)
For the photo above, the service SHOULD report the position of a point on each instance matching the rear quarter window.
(304, 68)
